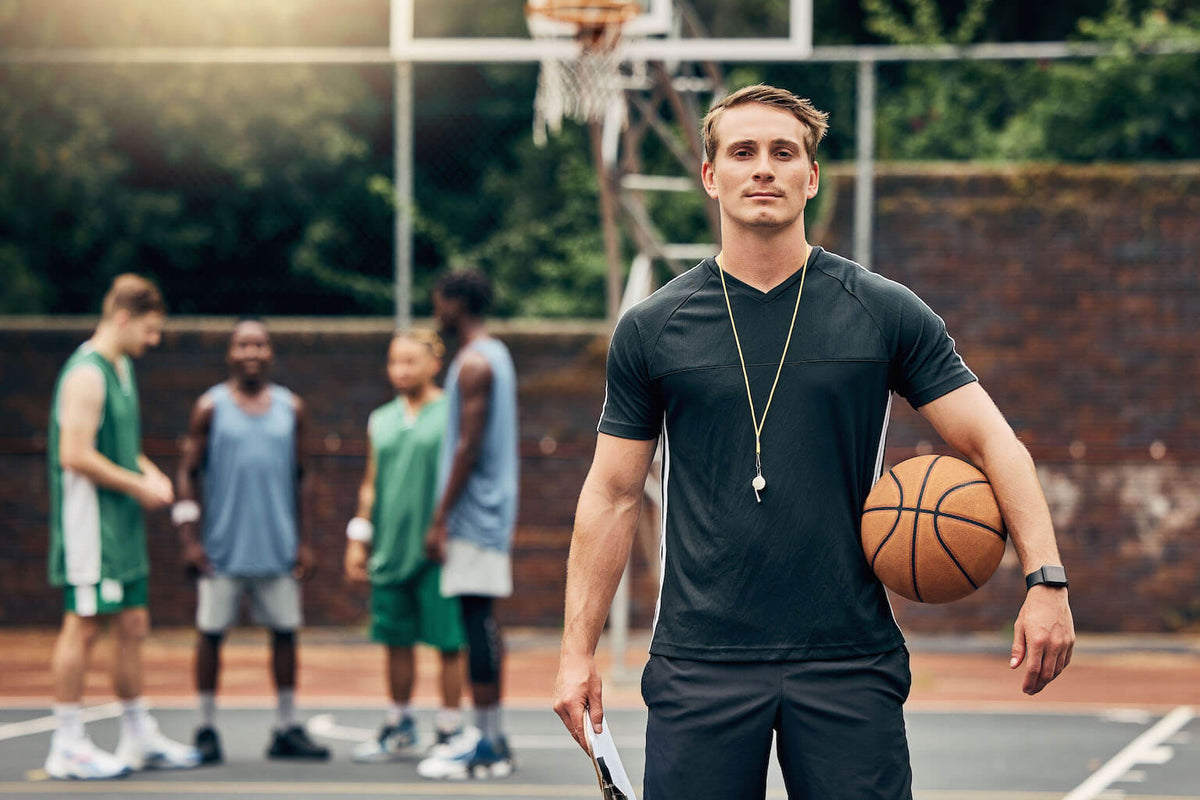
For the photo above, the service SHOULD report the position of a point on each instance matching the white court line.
(1143, 749)
(325, 726)
(15, 730)
(489, 789)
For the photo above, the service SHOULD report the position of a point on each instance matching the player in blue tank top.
(473, 526)
(243, 513)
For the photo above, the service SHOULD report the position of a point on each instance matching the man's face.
(139, 334)
(250, 352)
(761, 174)
(446, 311)
(411, 365)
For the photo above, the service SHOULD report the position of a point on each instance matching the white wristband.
(185, 511)
(360, 530)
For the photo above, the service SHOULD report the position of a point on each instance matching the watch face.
(1055, 576)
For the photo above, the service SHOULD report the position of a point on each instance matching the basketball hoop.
(588, 87)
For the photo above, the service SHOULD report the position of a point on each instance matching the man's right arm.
(187, 479)
(605, 522)
(80, 411)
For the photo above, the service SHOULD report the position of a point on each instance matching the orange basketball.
(931, 529)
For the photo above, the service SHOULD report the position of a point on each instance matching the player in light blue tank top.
(250, 484)
(245, 449)
(472, 530)
(485, 513)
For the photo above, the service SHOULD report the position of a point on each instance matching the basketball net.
(587, 87)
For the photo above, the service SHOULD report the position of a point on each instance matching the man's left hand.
(1043, 637)
(306, 563)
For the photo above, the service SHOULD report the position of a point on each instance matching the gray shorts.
(274, 602)
(472, 570)
(838, 728)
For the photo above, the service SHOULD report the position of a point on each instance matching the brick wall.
(1073, 292)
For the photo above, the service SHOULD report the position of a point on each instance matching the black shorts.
(840, 727)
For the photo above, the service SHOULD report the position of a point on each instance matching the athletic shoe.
(79, 759)
(468, 755)
(152, 750)
(294, 743)
(208, 743)
(393, 742)
(444, 737)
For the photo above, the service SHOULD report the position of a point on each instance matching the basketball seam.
(938, 512)
(916, 524)
(896, 524)
(937, 531)
(947, 514)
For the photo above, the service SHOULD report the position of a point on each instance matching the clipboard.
(610, 772)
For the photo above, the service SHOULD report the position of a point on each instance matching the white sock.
(286, 709)
(449, 720)
(208, 709)
(488, 721)
(67, 720)
(134, 716)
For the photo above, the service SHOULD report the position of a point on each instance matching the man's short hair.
(815, 122)
(135, 294)
(423, 336)
(470, 286)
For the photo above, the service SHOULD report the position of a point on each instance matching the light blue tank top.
(250, 525)
(486, 511)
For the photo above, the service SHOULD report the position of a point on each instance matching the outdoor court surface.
(1123, 722)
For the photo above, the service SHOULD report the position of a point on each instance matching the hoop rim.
(586, 13)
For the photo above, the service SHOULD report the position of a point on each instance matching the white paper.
(614, 783)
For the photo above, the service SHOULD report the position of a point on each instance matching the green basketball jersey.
(406, 469)
(96, 533)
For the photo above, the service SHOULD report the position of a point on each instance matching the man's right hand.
(155, 491)
(577, 693)
(356, 562)
(195, 560)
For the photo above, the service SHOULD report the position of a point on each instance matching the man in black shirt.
(768, 372)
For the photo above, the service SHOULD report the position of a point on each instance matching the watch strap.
(1049, 575)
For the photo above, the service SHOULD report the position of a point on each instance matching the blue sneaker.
(468, 755)
(394, 742)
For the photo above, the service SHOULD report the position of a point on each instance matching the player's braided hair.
(423, 336)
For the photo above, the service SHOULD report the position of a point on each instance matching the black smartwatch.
(1048, 575)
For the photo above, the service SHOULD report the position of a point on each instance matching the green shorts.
(106, 597)
(403, 614)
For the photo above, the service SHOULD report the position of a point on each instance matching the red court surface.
(339, 667)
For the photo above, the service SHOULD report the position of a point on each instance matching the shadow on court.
(1121, 722)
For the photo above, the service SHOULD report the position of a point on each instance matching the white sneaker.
(153, 750)
(468, 755)
(79, 759)
(393, 743)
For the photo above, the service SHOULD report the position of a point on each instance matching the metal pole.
(400, 35)
(864, 184)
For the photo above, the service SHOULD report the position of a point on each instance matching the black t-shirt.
(785, 578)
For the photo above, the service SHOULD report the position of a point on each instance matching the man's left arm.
(1044, 633)
(306, 560)
(475, 392)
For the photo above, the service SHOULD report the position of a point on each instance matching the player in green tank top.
(100, 482)
(385, 542)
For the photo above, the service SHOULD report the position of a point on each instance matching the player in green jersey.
(100, 482)
(385, 542)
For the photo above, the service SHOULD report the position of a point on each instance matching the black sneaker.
(294, 743)
(209, 745)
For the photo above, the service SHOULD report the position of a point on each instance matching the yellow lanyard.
(759, 483)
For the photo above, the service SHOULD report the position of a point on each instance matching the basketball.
(931, 529)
